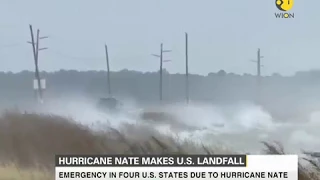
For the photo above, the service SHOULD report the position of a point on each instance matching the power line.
(10, 45)
(64, 55)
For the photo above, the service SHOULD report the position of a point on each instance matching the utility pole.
(108, 70)
(187, 70)
(259, 65)
(36, 49)
(259, 57)
(160, 71)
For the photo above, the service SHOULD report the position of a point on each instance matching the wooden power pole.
(187, 70)
(259, 65)
(161, 69)
(108, 71)
(36, 49)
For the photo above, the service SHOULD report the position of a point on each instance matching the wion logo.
(285, 6)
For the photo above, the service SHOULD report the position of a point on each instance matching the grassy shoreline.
(29, 142)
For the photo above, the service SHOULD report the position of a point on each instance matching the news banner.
(126, 167)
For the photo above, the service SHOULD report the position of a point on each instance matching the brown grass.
(30, 141)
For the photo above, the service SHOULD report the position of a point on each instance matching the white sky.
(222, 34)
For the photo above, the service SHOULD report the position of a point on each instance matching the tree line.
(219, 87)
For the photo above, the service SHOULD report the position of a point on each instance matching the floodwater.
(242, 126)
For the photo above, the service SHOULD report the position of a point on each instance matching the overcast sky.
(222, 35)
